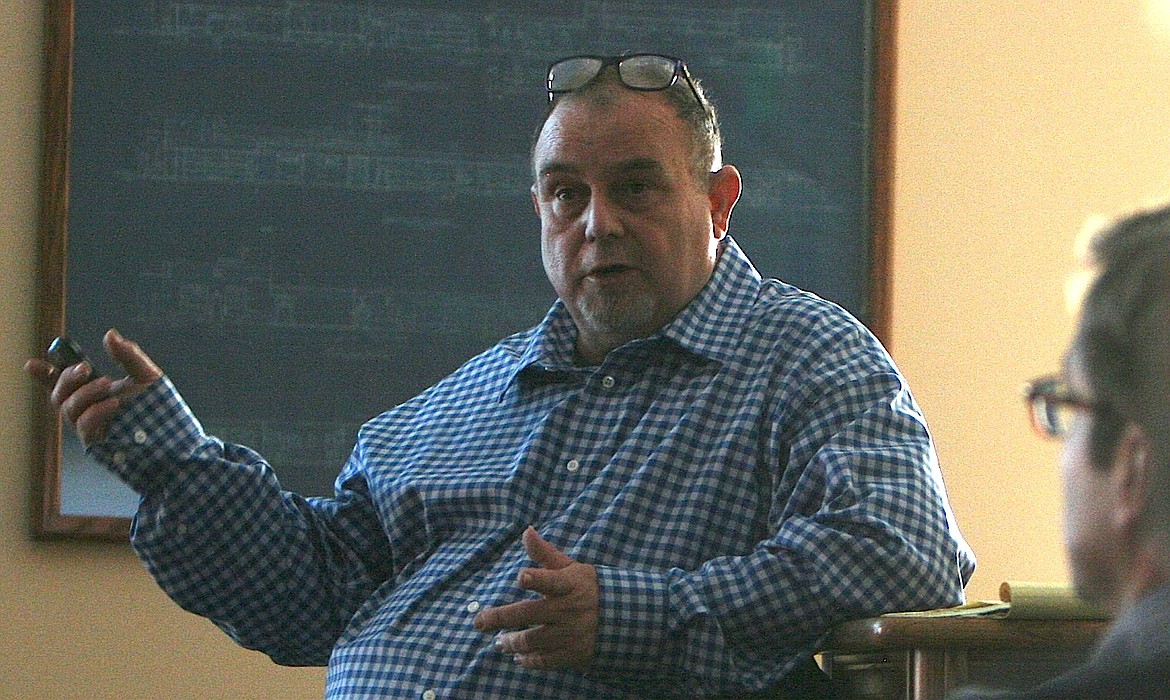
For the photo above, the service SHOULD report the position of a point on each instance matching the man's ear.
(724, 186)
(535, 201)
(1130, 479)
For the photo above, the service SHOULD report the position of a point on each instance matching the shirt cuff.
(154, 432)
(632, 621)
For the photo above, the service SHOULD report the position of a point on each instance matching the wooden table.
(917, 658)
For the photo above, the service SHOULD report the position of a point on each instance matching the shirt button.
(473, 606)
(119, 458)
(429, 694)
(139, 436)
(608, 381)
(573, 465)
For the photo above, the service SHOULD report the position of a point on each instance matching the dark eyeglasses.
(1052, 405)
(637, 71)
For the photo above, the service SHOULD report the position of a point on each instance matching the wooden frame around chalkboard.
(50, 521)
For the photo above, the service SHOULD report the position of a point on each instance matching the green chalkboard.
(307, 211)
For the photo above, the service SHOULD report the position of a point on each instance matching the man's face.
(626, 230)
(1089, 539)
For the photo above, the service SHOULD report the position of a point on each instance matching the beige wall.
(1016, 119)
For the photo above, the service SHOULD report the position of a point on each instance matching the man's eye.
(640, 190)
(565, 193)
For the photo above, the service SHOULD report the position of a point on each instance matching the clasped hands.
(558, 629)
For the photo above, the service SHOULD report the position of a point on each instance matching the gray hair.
(698, 116)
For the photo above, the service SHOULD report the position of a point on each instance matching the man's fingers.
(522, 614)
(92, 424)
(542, 638)
(542, 552)
(41, 371)
(88, 400)
(68, 390)
(132, 358)
(76, 398)
(547, 582)
(558, 629)
(545, 647)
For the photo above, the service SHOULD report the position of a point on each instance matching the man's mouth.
(604, 271)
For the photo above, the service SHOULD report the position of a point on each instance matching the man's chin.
(622, 319)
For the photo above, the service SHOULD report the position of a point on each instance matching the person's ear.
(535, 201)
(724, 186)
(1131, 479)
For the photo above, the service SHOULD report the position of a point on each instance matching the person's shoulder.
(782, 305)
(482, 377)
(494, 364)
(793, 318)
(1140, 680)
(1146, 679)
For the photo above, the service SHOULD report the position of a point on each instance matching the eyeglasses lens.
(572, 73)
(1052, 416)
(648, 72)
(1052, 407)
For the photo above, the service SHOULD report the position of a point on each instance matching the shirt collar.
(549, 346)
(703, 327)
(709, 325)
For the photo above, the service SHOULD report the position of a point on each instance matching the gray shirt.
(1132, 661)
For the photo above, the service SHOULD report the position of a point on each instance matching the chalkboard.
(307, 211)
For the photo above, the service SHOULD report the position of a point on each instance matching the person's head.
(1116, 457)
(631, 210)
(646, 72)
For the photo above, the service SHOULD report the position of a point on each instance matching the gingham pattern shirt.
(747, 477)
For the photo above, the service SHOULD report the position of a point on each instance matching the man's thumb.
(128, 354)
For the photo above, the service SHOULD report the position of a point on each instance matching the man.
(1111, 407)
(674, 485)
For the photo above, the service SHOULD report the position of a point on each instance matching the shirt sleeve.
(860, 526)
(279, 573)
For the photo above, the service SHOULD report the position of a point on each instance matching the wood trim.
(882, 166)
(48, 521)
(897, 633)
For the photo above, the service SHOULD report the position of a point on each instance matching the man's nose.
(602, 218)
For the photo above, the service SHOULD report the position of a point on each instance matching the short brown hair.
(1123, 334)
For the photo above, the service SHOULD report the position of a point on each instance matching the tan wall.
(1016, 119)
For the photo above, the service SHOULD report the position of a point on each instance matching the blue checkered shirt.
(742, 480)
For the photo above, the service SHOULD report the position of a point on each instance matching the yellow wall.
(1016, 119)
